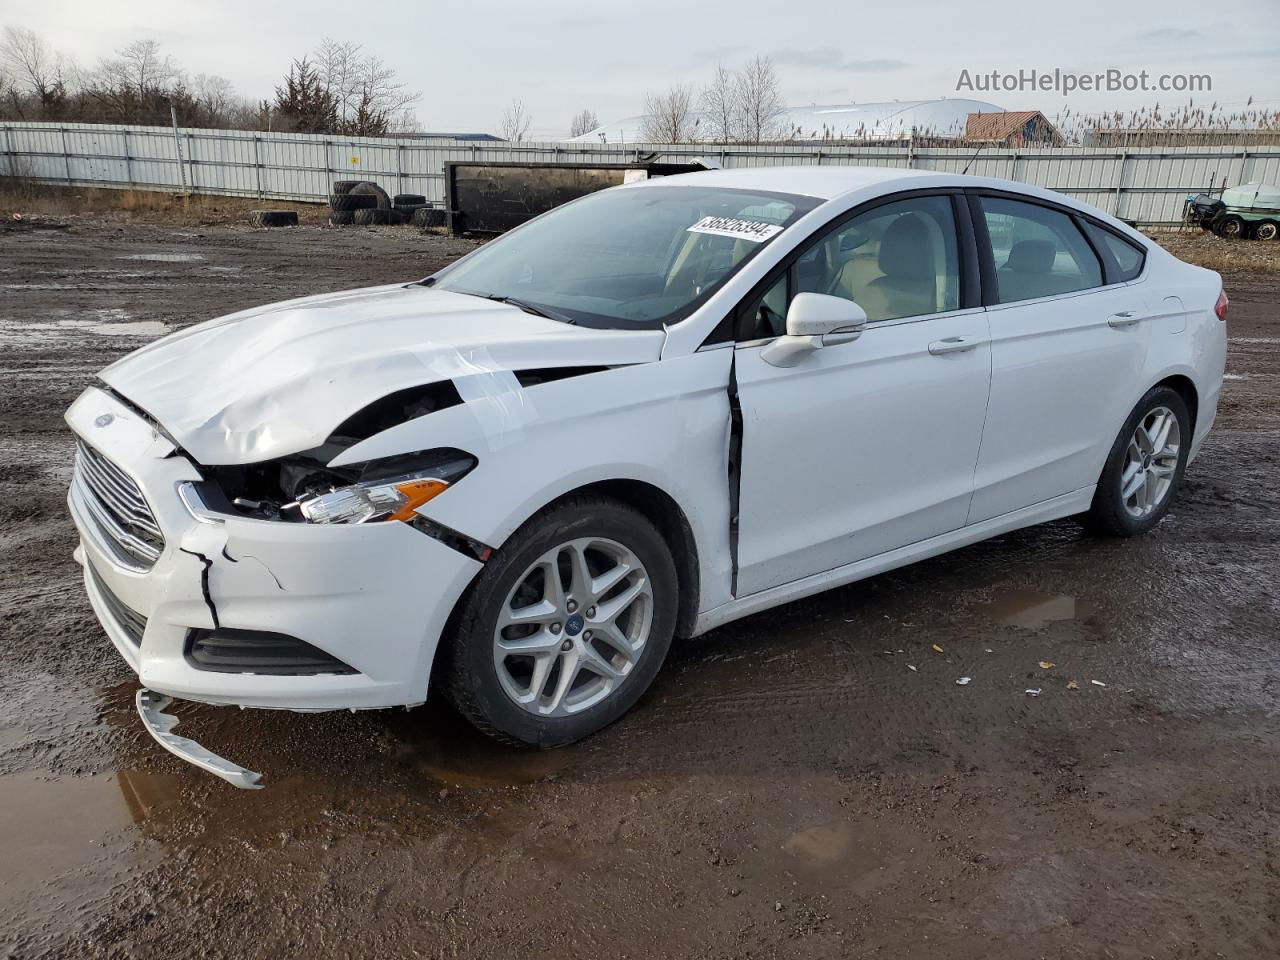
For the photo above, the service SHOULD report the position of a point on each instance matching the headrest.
(906, 250)
(1032, 256)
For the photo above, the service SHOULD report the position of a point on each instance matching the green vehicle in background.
(1250, 211)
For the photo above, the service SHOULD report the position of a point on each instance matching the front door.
(867, 446)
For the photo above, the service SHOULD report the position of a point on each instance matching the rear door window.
(1038, 251)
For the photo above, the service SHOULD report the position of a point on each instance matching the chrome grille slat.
(117, 509)
(110, 476)
(108, 493)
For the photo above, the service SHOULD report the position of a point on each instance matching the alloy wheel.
(1151, 461)
(573, 627)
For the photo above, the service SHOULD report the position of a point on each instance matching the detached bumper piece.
(151, 706)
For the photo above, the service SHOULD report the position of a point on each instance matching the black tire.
(1107, 514)
(409, 209)
(345, 186)
(342, 218)
(367, 189)
(274, 218)
(409, 199)
(427, 217)
(1229, 227)
(372, 217)
(397, 217)
(1266, 231)
(347, 201)
(466, 670)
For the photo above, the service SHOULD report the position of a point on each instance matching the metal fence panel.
(1147, 184)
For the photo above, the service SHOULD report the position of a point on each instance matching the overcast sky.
(469, 59)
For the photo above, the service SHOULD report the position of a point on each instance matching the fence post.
(11, 163)
(399, 168)
(257, 162)
(66, 153)
(1124, 159)
(128, 159)
(177, 147)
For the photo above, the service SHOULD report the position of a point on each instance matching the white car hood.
(275, 380)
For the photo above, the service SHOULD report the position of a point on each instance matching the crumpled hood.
(278, 379)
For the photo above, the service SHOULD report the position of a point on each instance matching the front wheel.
(1144, 467)
(565, 627)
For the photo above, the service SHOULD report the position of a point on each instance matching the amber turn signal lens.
(416, 493)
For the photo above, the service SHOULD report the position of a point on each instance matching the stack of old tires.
(363, 203)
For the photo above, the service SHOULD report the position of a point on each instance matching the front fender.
(663, 423)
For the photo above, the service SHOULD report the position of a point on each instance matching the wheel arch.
(662, 510)
(1184, 387)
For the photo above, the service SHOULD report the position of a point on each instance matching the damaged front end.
(282, 585)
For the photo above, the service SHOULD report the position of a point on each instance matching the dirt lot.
(789, 788)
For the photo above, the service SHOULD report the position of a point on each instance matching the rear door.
(1067, 352)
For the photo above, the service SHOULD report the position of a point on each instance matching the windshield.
(633, 258)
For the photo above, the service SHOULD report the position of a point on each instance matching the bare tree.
(721, 105)
(33, 67)
(668, 116)
(140, 69)
(760, 102)
(368, 96)
(584, 121)
(515, 122)
(215, 96)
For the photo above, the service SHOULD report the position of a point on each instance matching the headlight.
(303, 489)
(362, 502)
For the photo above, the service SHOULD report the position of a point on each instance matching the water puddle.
(1030, 609)
(55, 827)
(134, 328)
(441, 745)
(165, 257)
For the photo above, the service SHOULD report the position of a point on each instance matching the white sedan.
(642, 415)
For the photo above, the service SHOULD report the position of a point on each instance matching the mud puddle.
(1031, 609)
(58, 830)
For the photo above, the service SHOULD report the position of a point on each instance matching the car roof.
(825, 183)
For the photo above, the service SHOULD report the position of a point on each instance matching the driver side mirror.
(815, 320)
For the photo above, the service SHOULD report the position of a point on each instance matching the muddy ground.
(790, 787)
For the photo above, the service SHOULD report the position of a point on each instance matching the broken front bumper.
(374, 596)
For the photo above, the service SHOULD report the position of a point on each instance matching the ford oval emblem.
(104, 420)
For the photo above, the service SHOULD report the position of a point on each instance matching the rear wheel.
(565, 627)
(1144, 467)
(1231, 227)
(1266, 230)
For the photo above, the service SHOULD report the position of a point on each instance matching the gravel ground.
(789, 787)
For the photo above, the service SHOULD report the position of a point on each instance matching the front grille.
(126, 618)
(116, 507)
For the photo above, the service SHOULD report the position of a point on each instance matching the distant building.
(1012, 128)
(432, 135)
(1185, 137)
(882, 123)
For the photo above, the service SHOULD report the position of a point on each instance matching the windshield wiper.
(527, 307)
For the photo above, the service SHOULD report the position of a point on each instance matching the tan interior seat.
(908, 264)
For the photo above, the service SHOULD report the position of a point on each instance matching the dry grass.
(1225, 256)
(140, 206)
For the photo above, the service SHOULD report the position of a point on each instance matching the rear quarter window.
(1126, 254)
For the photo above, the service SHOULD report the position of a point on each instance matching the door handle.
(954, 345)
(1119, 321)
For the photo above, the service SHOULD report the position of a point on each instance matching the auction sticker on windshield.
(752, 230)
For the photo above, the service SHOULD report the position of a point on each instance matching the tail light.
(1220, 308)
